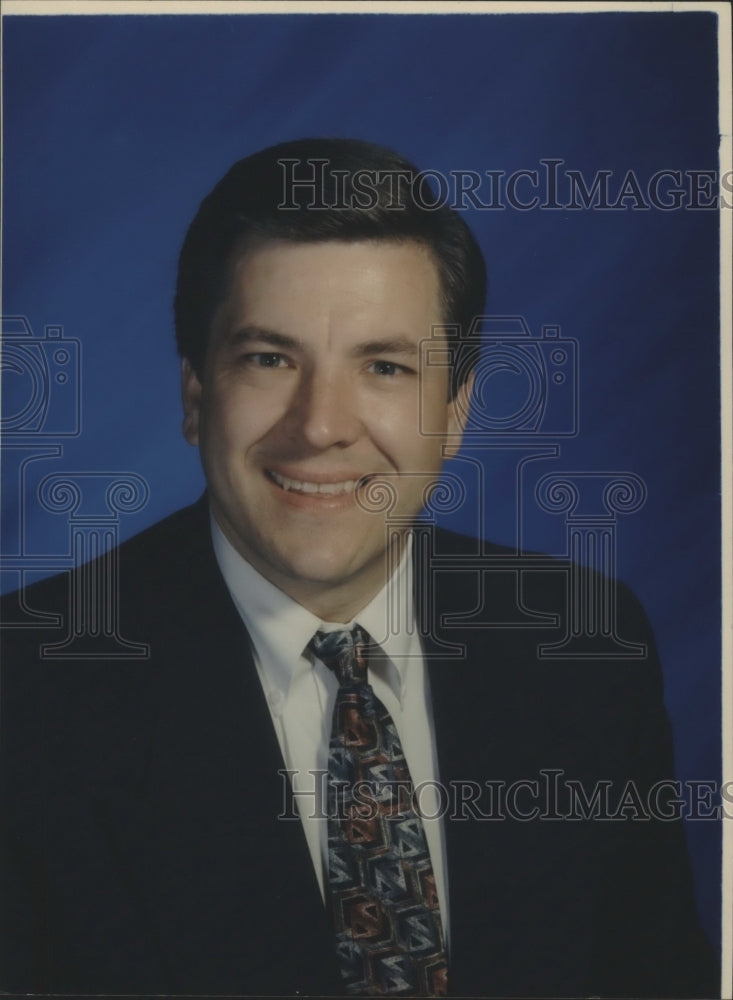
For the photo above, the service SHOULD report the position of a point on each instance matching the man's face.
(312, 386)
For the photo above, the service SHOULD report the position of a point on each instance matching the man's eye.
(386, 368)
(266, 360)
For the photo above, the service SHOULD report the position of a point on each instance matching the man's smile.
(326, 488)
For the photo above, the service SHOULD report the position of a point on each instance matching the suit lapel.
(217, 874)
(496, 710)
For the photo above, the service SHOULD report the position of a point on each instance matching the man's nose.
(325, 410)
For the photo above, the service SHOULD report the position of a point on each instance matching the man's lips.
(327, 488)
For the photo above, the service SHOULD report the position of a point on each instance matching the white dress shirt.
(301, 693)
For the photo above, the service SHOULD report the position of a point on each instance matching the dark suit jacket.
(143, 851)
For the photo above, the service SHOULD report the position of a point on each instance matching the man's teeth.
(302, 486)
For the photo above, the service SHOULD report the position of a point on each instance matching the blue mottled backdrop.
(115, 127)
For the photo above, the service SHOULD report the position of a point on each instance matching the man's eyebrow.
(389, 345)
(261, 335)
(282, 341)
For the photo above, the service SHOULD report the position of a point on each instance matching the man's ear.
(191, 395)
(458, 409)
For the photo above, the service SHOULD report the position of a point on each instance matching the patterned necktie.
(384, 905)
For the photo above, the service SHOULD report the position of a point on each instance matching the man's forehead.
(278, 248)
(384, 282)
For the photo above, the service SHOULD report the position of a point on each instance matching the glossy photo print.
(322, 383)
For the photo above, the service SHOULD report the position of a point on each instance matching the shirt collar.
(280, 628)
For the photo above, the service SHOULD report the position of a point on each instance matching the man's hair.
(314, 191)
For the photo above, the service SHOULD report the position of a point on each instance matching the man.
(303, 640)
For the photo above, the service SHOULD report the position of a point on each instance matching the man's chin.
(313, 574)
(319, 572)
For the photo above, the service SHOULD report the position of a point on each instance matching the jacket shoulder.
(161, 549)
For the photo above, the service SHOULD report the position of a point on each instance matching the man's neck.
(338, 602)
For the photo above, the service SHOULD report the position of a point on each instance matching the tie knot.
(343, 652)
